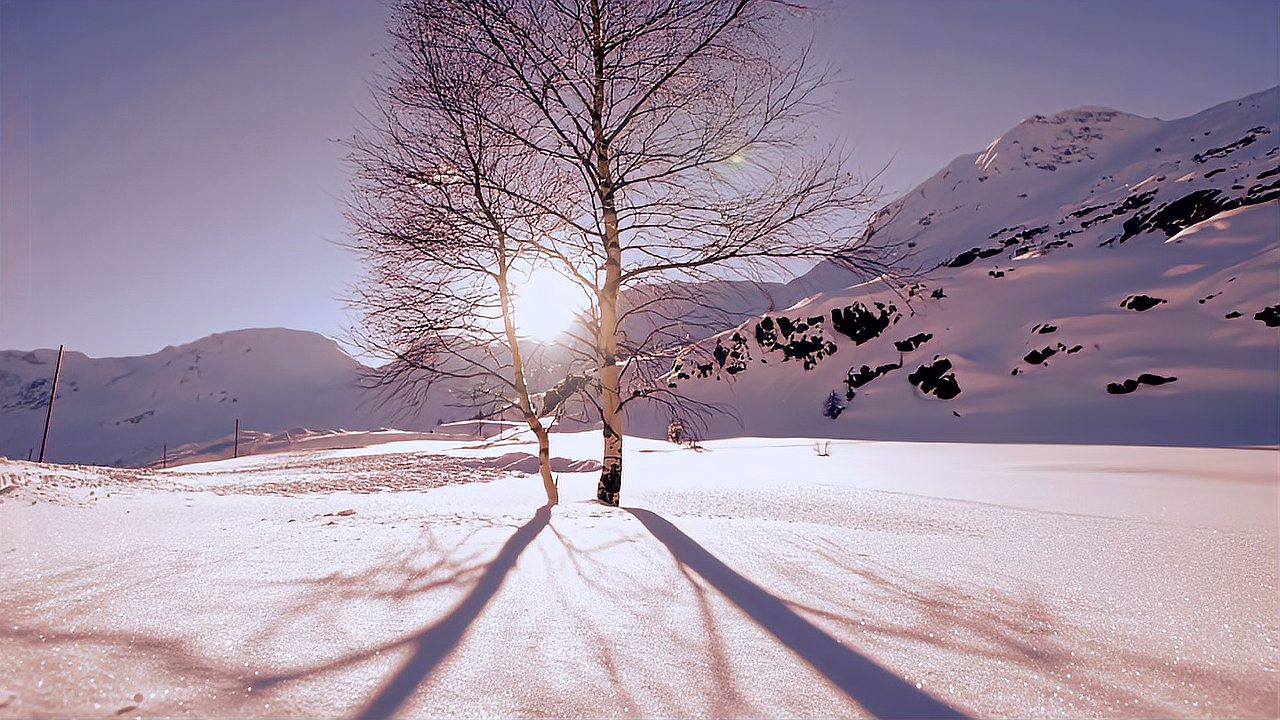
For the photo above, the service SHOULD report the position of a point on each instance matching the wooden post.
(53, 394)
(164, 458)
(237, 445)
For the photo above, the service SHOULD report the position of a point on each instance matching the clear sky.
(168, 169)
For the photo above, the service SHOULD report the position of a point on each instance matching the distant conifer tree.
(833, 406)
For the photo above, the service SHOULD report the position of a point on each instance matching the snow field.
(754, 578)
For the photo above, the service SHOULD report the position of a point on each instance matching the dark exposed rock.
(1129, 384)
(792, 337)
(1172, 218)
(1261, 193)
(1044, 329)
(1087, 210)
(1131, 203)
(964, 258)
(1269, 315)
(1213, 172)
(1225, 149)
(936, 379)
(1232, 315)
(720, 354)
(913, 342)
(137, 418)
(566, 388)
(1122, 388)
(1141, 302)
(858, 323)
(33, 396)
(1029, 234)
(861, 376)
(1036, 357)
(972, 254)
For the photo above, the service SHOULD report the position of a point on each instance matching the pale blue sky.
(168, 170)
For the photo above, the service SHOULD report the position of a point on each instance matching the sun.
(546, 304)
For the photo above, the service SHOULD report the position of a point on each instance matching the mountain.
(1092, 276)
(122, 411)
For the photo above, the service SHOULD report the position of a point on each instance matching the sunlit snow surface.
(754, 578)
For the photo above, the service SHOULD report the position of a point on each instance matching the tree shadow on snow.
(419, 568)
(1021, 632)
(880, 691)
(619, 583)
(432, 645)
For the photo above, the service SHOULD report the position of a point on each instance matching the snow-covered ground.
(753, 578)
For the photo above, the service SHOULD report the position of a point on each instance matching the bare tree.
(441, 226)
(677, 135)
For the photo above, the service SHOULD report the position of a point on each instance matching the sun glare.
(546, 304)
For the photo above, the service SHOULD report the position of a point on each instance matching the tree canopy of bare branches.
(642, 148)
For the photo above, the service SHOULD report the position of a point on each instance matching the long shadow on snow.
(878, 690)
(390, 579)
(726, 700)
(434, 644)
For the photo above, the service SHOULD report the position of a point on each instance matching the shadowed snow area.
(754, 578)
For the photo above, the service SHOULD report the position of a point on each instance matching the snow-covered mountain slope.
(1081, 261)
(1084, 176)
(121, 411)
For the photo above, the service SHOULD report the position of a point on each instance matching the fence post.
(53, 394)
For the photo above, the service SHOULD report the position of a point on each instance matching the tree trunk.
(609, 490)
(544, 463)
(522, 389)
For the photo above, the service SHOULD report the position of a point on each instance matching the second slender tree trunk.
(544, 463)
(522, 388)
